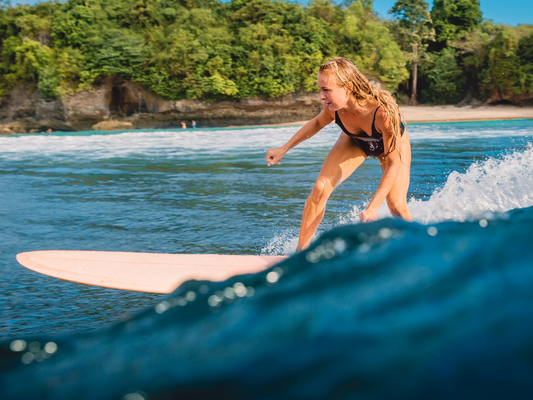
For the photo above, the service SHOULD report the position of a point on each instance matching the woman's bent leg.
(397, 197)
(341, 162)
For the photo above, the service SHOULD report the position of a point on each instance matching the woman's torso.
(371, 144)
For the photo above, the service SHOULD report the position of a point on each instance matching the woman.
(371, 123)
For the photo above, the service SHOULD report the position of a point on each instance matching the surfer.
(371, 123)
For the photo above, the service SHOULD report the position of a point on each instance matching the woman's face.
(333, 96)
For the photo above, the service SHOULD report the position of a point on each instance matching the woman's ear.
(349, 88)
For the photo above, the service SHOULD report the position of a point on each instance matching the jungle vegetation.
(208, 49)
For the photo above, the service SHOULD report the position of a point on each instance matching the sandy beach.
(451, 113)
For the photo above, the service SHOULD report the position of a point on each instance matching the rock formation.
(128, 105)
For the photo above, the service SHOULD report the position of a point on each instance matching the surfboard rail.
(142, 272)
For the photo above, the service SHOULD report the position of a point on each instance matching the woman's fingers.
(272, 158)
(368, 216)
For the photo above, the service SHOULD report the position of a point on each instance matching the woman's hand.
(369, 215)
(275, 155)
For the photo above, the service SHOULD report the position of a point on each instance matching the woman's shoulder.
(381, 120)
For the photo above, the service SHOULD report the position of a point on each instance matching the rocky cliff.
(124, 104)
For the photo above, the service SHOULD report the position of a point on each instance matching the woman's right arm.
(310, 129)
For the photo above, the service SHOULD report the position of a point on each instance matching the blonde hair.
(349, 76)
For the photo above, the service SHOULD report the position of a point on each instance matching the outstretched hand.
(274, 156)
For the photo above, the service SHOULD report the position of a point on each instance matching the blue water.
(386, 310)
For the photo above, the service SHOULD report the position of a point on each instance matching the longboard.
(142, 272)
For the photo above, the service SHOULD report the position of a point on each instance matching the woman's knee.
(321, 190)
(397, 208)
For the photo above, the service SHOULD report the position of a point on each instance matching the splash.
(495, 185)
(283, 243)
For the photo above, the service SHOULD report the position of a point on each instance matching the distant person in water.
(183, 125)
(371, 126)
(193, 124)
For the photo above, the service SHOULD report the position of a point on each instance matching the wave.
(387, 310)
(168, 143)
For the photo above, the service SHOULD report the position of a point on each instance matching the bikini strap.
(375, 112)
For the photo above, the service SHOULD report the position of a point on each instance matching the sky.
(509, 12)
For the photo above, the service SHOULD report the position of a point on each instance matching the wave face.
(388, 310)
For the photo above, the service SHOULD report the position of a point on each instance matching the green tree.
(452, 17)
(444, 79)
(367, 41)
(412, 28)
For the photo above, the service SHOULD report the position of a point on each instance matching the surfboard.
(142, 272)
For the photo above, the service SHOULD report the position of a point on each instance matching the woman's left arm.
(390, 165)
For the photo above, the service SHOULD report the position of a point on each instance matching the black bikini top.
(361, 135)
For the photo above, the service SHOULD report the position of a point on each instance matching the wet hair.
(349, 76)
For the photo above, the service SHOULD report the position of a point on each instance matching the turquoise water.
(392, 297)
(210, 192)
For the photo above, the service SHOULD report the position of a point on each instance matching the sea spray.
(495, 185)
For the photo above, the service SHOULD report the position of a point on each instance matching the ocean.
(438, 308)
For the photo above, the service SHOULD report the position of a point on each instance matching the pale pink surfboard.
(142, 272)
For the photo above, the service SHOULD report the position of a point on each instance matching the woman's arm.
(390, 165)
(274, 155)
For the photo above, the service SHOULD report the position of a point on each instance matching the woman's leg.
(397, 197)
(341, 162)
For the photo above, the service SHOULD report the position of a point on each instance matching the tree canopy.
(207, 49)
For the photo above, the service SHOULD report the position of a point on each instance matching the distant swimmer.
(183, 125)
(193, 124)
(371, 125)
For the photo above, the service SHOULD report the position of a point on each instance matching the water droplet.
(229, 293)
(190, 296)
(364, 248)
(203, 289)
(339, 245)
(385, 233)
(50, 347)
(432, 231)
(18, 345)
(34, 347)
(134, 396)
(162, 307)
(27, 358)
(312, 257)
(240, 289)
(483, 223)
(272, 277)
(213, 300)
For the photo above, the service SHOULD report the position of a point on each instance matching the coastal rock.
(112, 126)
(5, 131)
(24, 109)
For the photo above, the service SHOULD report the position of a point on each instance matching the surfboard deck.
(142, 272)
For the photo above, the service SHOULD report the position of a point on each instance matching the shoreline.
(412, 114)
(440, 114)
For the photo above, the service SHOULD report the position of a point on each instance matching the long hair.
(349, 76)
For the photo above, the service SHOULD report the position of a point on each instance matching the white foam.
(156, 143)
(495, 185)
(283, 243)
(177, 142)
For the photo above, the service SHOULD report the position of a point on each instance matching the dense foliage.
(207, 49)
